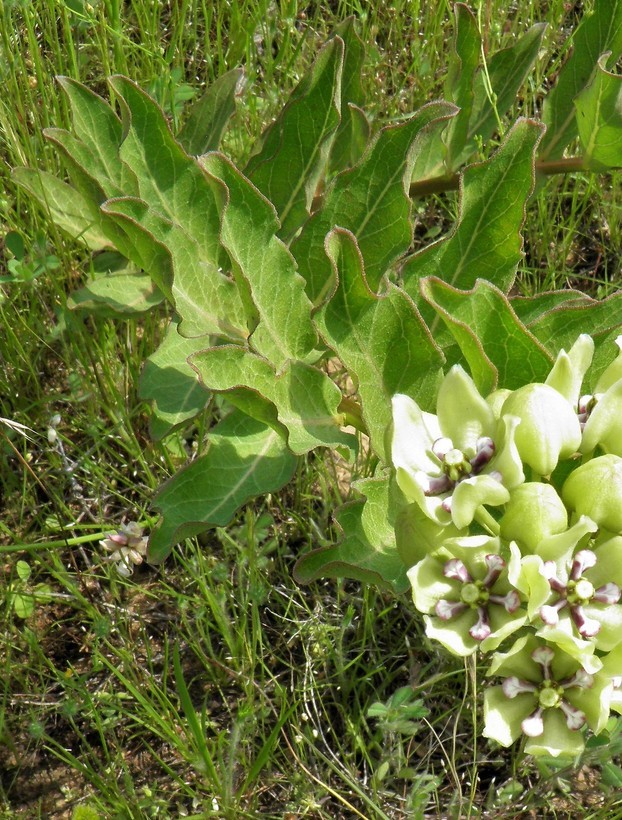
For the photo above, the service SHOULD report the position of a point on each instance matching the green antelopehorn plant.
(304, 257)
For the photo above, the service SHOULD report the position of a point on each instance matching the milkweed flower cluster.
(515, 542)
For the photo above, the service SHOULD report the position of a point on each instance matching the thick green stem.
(436, 185)
(483, 517)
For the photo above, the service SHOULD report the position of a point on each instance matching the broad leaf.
(486, 241)
(381, 340)
(560, 328)
(245, 459)
(96, 125)
(248, 234)
(295, 147)
(170, 181)
(368, 552)
(209, 115)
(123, 293)
(599, 119)
(463, 63)
(370, 200)
(498, 348)
(597, 33)
(306, 400)
(171, 384)
(71, 211)
(353, 131)
(507, 71)
(531, 308)
(206, 300)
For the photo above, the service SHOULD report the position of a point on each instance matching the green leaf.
(599, 119)
(597, 33)
(486, 241)
(381, 340)
(353, 131)
(127, 293)
(245, 459)
(209, 115)
(170, 181)
(23, 604)
(499, 349)
(80, 162)
(370, 200)
(367, 552)
(295, 147)
(531, 308)
(507, 71)
(72, 212)
(171, 384)
(98, 128)
(206, 300)
(459, 88)
(560, 327)
(306, 399)
(248, 234)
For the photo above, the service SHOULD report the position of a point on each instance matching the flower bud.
(534, 512)
(549, 429)
(595, 489)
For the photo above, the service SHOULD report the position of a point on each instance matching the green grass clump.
(213, 685)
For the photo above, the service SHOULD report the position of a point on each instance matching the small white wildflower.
(127, 547)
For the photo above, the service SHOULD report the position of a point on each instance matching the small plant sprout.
(127, 547)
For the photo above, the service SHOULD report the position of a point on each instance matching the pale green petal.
(608, 563)
(533, 512)
(429, 584)
(595, 489)
(557, 739)
(417, 535)
(503, 716)
(464, 416)
(560, 547)
(496, 400)
(595, 702)
(604, 426)
(517, 660)
(612, 663)
(575, 651)
(431, 505)
(507, 460)
(471, 494)
(503, 624)
(414, 432)
(610, 619)
(570, 368)
(533, 584)
(611, 374)
(549, 428)
(453, 634)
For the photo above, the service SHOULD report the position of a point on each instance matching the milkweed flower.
(453, 462)
(546, 695)
(466, 595)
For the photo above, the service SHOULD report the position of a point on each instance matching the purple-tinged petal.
(607, 594)
(583, 560)
(496, 565)
(446, 610)
(550, 614)
(586, 627)
(510, 601)
(481, 629)
(575, 718)
(455, 568)
(581, 679)
(514, 686)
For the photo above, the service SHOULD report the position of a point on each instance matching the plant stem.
(436, 185)
(483, 517)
